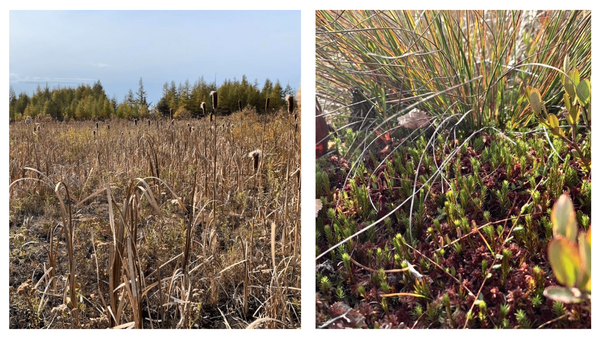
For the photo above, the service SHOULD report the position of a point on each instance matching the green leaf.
(567, 100)
(552, 122)
(585, 252)
(563, 295)
(566, 64)
(573, 115)
(574, 74)
(535, 99)
(569, 87)
(564, 259)
(570, 82)
(564, 222)
(584, 90)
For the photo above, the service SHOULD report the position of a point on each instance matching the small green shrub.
(570, 255)
(577, 102)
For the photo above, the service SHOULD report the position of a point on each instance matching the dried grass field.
(156, 224)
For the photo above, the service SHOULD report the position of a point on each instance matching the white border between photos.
(308, 135)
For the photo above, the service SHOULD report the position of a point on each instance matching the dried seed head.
(213, 96)
(290, 103)
(298, 99)
(267, 104)
(62, 308)
(256, 156)
(26, 288)
(240, 105)
(96, 125)
(203, 106)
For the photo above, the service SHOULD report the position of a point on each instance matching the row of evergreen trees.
(91, 102)
(187, 99)
(72, 103)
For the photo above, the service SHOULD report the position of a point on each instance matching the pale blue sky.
(119, 47)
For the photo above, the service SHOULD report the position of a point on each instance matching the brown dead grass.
(155, 225)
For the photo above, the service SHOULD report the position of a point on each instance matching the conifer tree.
(141, 95)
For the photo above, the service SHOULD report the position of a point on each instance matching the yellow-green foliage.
(570, 254)
(577, 103)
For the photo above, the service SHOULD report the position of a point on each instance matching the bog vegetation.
(456, 187)
(156, 223)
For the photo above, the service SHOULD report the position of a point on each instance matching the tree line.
(82, 102)
(183, 100)
(186, 99)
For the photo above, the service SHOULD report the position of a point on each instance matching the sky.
(68, 48)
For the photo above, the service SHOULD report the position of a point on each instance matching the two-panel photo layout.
(155, 177)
